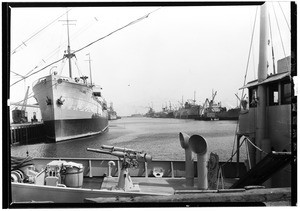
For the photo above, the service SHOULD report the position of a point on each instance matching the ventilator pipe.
(110, 164)
(199, 146)
(189, 161)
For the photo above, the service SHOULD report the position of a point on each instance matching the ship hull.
(188, 113)
(112, 116)
(70, 109)
(60, 130)
(232, 114)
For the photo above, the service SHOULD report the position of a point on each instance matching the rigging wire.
(54, 51)
(254, 65)
(78, 68)
(131, 23)
(37, 66)
(247, 66)
(251, 43)
(284, 16)
(272, 46)
(62, 67)
(17, 74)
(37, 71)
(256, 147)
(280, 34)
(32, 36)
(248, 155)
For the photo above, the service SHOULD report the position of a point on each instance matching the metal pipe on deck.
(199, 146)
(189, 161)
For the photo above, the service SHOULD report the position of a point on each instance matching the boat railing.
(60, 79)
(171, 168)
(39, 80)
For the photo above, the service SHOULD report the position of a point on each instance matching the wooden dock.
(27, 133)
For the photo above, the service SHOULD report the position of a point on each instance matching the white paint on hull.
(78, 99)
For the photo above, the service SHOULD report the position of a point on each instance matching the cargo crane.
(19, 115)
(213, 98)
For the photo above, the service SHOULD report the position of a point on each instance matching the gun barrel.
(120, 149)
(141, 157)
(118, 154)
(98, 151)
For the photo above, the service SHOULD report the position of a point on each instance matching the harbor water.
(156, 136)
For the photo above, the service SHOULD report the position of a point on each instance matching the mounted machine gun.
(130, 159)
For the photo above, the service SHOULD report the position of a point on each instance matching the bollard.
(199, 146)
(189, 161)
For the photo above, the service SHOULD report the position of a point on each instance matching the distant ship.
(214, 111)
(70, 107)
(112, 114)
(166, 112)
(150, 113)
(230, 114)
(136, 115)
(188, 110)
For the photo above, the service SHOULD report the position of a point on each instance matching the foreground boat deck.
(167, 186)
(175, 190)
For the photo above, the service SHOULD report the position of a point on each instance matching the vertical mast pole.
(69, 48)
(260, 135)
(90, 67)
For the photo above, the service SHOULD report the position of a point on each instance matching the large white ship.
(70, 108)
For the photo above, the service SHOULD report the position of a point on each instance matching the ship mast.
(89, 60)
(261, 140)
(69, 55)
(194, 97)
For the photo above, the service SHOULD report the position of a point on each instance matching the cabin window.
(286, 92)
(97, 94)
(253, 97)
(273, 94)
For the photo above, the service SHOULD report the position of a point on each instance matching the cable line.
(246, 73)
(284, 17)
(24, 42)
(131, 23)
(272, 46)
(37, 71)
(280, 36)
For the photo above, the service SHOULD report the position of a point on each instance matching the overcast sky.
(173, 53)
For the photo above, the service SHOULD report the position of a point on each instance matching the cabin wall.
(279, 130)
(279, 127)
(247, 122)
